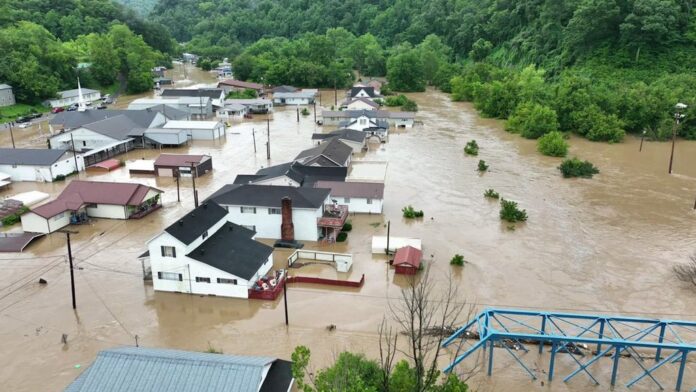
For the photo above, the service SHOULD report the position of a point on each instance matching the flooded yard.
(605, 245)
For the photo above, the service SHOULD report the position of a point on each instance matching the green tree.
(481, 49)
(532, 120)
(650, 23)
(553, 144)
(104, 59)
(405, 71)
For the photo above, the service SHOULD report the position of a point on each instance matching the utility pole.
(298, 113)
(253, 134)
(72, 140)
(11, 134)
(285, 298)
(335, 94)
(268, 143)
(178, 196)
(193, 179)
(388, 229)
(678, 116)
(642, 136)
(315, 110)
(72, 270)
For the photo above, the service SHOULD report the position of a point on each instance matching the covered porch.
(145, 208)
(332, 221)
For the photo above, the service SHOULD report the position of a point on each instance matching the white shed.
(199, 130)
(41, 165)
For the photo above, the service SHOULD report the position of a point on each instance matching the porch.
(148, 206)
(332, 221)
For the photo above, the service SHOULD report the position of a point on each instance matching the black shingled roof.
(269, 196)
(193, 224)
(369, 90)
(335, 151)
(30, 156)
(232, 249)
(299, 172)
(279, 377)
(346, 134)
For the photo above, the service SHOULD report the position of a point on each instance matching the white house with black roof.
(367, 92)
(357, 140)
(205, 253)
(293, 174)
(41, 165)
(330, 154)
(217, 95)
(258, 208)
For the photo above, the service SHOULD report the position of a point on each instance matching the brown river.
(605, 245)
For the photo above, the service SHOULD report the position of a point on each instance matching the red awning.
(108, 165)
(408, 256)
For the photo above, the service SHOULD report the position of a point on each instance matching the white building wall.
(108, 211)
(401, 122)
(360, 205)
(360, 105)
(42, 173)
(84, 139)
(268, 225)
(32, 222)
(88, 97)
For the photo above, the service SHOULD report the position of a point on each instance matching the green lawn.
(10, 113)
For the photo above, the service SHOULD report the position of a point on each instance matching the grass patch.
(212, 350)
(14, 218)
(10, 113)
(491, 194)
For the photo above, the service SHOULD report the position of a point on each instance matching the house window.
(59, 216)
(346, 199)
(84, 143)
(274, 211)
(363, 121)
(253, 228)
(369, 201)
(226, 281)
(205, 234)
(200, 279)
(170, 276)
(248, 210)
(168, 251)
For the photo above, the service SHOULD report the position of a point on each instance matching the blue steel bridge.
(581, 340)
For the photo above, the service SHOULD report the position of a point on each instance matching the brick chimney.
(287, 229)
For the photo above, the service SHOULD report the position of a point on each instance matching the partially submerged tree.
(686, 272)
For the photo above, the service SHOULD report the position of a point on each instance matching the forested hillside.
(142, 7)
(43, 41)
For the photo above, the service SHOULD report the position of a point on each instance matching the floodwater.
(603, 245)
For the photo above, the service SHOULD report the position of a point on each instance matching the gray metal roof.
(368, 113)
(30, 156)
(118, 128)
(5, 86)
(294, 95)
(143, 118)
(269, 196)
(343, 134)
(212, 93)
(146, 369)
(74, 92)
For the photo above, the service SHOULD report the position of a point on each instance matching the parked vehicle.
(22, 119)
(101, 107)
(24, 125)
(34, 115)
(57, 110)
(72, 108)
(108, 101)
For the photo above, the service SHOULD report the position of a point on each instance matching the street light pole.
(642, 136)
(678, 116)
(12, 135)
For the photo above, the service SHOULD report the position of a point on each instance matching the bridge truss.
(650, 343)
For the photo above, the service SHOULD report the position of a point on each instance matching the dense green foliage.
(482, 166)
(457, 260)
(509, 211)
(43, 45)
(553, 144)
(577, 168)
(532, 120)
(11, 219)
(246, 94)
(406, 104)
(410, 213)
(471, 148)
(491, 194)
(142, 7)
(355, 373)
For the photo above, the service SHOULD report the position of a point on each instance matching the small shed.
(407, 260)
(107, 165)
(172, 165)
(141, 166)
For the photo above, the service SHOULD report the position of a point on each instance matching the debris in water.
(42, 281)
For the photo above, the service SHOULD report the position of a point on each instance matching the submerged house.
(217, 95)
(360, 197)
(329, 154)
(367, 92)
(205, 253)
(259, 208)
(407, 260)
(293, 174)
(182, 165)
(229, 85)
(360, 104)
(357, 140)
(294, 98)
(149, 369)
(81, 200)
(41, 165)
(395, 119)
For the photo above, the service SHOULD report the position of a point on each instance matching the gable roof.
(191, 124)
(408, 256)
(301, 173)
(363, 100)
(79, 193)
(240, 84)
(146, 369)
(344, 134)
(367, 190)
(30, 156)
(370, 91)
(284, 89)
(118, 128)
(232, 249)
(212, 93)
(143, 118)
(332, 153)
(179, 159)
(384, 114)
(195, 223)
(269, 196)
(75, 92)
(373, 123)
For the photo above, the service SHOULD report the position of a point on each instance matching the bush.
(491, 194)
(597, 126)
(471, 148)
(342, 237)
(60, 177)
(457, 260)
(410, 106)
(246, 94)
(532, 120)
(411, 213)
(510, 212)
(482, 167)
(577, 168)
(553, 145)
(347, 227)
(396, 100)
(14, 218)
(305, 112)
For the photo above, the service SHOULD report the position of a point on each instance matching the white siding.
(43, 173)
(84, 140)
(278, 181)
(360, 205)
(108, 211)
(268, 225)
(360, 105)
(32, 222)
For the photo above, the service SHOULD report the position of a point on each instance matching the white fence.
(343, 261)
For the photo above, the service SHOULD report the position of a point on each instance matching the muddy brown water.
(602, 245)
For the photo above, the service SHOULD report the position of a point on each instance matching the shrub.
(457, 260)
(553, 145)
(14, 218)
(411, 213)
(482, 167)
(471, 148)
(532, 120)
(597, 126)
(347, 227)
(396, 100)
(305, 112)
(577, 168)
(491, 194)
(213, 350)
(410, 106)
(509, 211)
(342, 237)
(60, 177)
